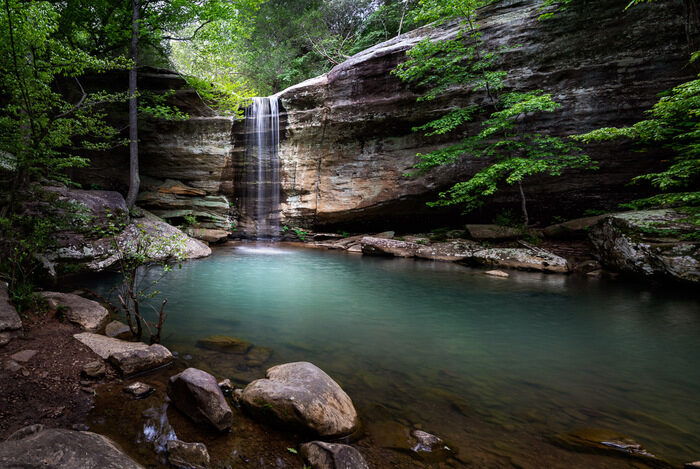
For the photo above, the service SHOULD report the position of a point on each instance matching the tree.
(134, 179)
(514, 154)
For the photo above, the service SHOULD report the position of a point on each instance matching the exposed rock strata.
(348, 139)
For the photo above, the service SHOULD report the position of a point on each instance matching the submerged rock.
(88, 314)
(302, 395)
(322, 455)
(197, 394)
(57, 448)
(257, 356)
(649, 244)
(608, 442)
(222, 343)
(187, 455)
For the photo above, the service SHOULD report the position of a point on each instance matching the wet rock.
(572, 229)
(157, 429)
(118, 330)
(196, 394)
(139, 390)
(429, 447)
(23, 356)
(135, 361)
(208, 235)
(222, 343)
(94, 369)
(692, 465)
(322, 455)
(187, 455)
(302, 395)
(88, 314)
(257, 356)
(36, 446)
(608, 442)
(10, 323)
(493, 232)
(648, 244)
(373, 246)
(519, 258)
(497, 273)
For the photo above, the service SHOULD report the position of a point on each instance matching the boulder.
(572, 229)
(373, 246)
(197, 394)
(128, 357)
(493, 232)
(134, 361)
(57, 448)
(118, 330)
(187, 455)
(89, 315)
(300, 394)
(226, 344)
(651, 243)
(322, 455)
(10, 323)
(208, 235)
(519, 258)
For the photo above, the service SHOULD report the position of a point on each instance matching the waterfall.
(262, 168)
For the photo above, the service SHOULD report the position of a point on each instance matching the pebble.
(139, 390)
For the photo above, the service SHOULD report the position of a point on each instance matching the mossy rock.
(226, 344)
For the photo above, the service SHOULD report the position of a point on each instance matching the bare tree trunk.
(523, 204)
(134, 180)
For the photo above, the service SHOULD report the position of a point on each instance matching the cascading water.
(262, 168)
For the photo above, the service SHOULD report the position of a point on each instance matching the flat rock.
(572, 229)
(197, 394)
(10, 323)
(519, 258)
(187, 455)
(374, 246)
(497, 273)
(23, 356)
(134, 361)
(118, 330)
(139, 390)
(322, 455)
(88, 314)
(128, 357)
(493, 232)
(222, 343)
(57, 448)
(302, 395)
(209, 235)
(106, 346)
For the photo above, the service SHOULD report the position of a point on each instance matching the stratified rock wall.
(348, 140)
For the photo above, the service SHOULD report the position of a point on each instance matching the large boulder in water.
(57, 448)
(322, 455)
(300, 394)
(659, 244)
(89, 315)
(197, 394)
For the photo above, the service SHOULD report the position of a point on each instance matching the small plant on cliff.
(512, 152)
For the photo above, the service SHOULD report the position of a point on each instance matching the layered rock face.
(348, 141)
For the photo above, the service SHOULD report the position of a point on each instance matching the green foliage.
(189, 220)
(673, 123)
(513, 153)
(300, 233)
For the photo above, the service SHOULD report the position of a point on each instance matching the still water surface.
(475, 359)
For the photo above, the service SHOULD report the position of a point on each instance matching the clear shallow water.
(493, 365)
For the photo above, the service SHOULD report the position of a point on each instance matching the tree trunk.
(523, 204)
(134, 180)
